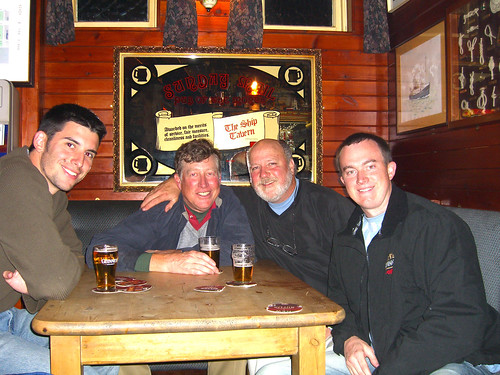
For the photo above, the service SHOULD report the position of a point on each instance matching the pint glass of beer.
(210, 245)
(105, 260)
(243, 255)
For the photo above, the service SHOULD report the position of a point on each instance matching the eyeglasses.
(292, 251)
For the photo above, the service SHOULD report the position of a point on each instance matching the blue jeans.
(23, 351)
(335, 365)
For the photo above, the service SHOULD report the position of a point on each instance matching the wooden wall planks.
(457, 167)
(354, 83)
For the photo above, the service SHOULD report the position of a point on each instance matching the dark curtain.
(376, 38)
(59, 22)
(181, 24)
(245, 25)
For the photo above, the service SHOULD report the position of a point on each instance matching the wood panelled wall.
(457, 167)
(355, 91)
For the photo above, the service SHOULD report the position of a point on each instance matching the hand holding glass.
(210, 245)
(105, 260)
(243, 258)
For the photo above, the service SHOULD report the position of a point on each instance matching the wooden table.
(173, 322)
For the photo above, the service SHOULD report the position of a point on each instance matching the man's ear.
(391, 170)
(291, 165)
(40, 141)
(177, 180)
(342, 180)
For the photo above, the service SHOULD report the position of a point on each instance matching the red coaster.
(210, 288)
(284, 308)
(134, 288)
(129, 281)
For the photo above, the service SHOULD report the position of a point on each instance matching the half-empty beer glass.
(243, 255)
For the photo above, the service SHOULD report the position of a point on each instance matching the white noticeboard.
(15, 40)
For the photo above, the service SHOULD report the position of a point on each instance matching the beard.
(275, 195)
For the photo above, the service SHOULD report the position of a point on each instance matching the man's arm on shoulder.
(166, 191)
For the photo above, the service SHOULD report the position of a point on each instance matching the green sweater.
(37, 237)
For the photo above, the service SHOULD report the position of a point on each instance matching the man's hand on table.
(166, 191)
(356, 351)
(16, 281)
(176, 261)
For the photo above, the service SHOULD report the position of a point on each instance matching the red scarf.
(194, 221)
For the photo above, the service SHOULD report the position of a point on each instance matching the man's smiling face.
(68, 156)
(199, 183)
(366, 176)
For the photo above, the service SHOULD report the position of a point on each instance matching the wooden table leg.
(65, 355)
(310, 358)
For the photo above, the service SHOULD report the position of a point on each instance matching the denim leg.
(334, 365)
(464, 368)
(23, 351)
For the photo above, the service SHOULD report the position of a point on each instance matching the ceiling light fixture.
(208, 4)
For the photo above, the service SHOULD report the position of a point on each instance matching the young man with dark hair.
(406, 272)
(40, 254)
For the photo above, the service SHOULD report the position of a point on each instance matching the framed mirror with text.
(164, 97)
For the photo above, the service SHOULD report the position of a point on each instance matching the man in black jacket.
(406, 272)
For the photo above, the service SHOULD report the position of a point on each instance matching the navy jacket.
(159, 230)
(417, 289)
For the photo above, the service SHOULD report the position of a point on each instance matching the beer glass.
(210, 245)
(105, 260)
(243, 255)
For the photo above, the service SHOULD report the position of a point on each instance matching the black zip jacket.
(418, 290)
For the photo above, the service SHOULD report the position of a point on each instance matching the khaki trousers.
(134, 370)
(227, 367)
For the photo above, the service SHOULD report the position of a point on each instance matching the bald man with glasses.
(293, 221)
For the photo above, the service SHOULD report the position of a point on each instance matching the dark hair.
(195, 151)
(56, 118)
(360, 137)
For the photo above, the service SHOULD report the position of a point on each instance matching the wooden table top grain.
(172, 305)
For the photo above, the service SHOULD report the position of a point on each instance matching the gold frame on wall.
(392, 5)
(473, 64)
(151, 21)
(164, 97)
(421, 80)
(340, 18)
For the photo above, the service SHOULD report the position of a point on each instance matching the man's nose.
(78, 159)
(361, 178)
(203, 180)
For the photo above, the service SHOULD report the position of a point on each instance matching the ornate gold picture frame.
(164, 97)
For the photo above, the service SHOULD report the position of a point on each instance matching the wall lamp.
(208, 4)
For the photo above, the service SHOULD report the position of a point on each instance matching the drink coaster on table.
(134, 288)
(284, 308)
(210, 288)
(237, 284)
(95, 290)
(129, 281)
(126, 289)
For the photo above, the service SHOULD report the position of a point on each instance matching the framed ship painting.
(164, 97)
(421, 80)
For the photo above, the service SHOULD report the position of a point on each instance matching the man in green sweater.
(40, 254)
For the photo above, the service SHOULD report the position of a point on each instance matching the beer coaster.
(129, 281)
(210, 288)
(236, 284)
(284, 308)
(95, 290)
(134, 288)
